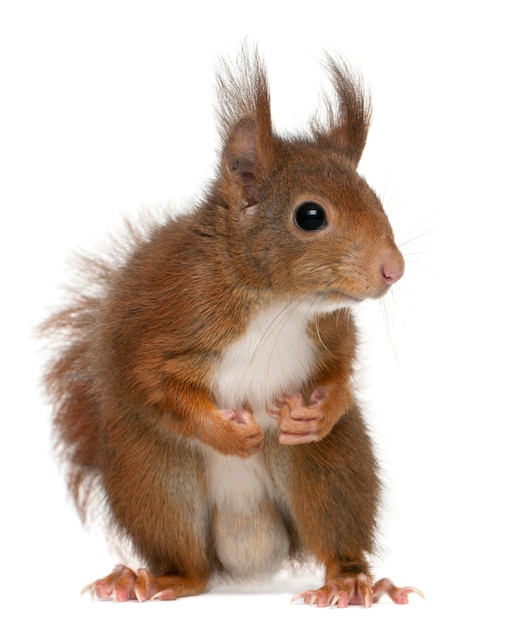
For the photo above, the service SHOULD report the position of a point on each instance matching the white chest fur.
(274, 356)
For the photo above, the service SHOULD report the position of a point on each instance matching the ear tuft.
(350, 115)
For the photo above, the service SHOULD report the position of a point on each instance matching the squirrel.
(203, 378)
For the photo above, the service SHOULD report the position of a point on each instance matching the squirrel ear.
(349, 118)
(245, 124)
(240, 158)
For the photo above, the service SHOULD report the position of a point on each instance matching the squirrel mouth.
(333, 295)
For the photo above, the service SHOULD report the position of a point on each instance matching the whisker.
(420, 236)
(268, 330)
(319, 335)
(384, 304)
(277, 324)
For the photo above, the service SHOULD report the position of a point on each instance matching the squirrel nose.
(392, 267)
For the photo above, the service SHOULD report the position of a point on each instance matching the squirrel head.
(301, 221)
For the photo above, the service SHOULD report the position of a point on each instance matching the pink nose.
(392, 269)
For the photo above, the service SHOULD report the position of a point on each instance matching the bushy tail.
(76, 412)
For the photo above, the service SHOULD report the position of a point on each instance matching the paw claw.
(402, 595)
(399, 595)
(417, 591)
(91, 588)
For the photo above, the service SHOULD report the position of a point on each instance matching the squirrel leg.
(334, 497)
(162, 509)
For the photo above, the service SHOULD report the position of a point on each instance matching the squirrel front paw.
(234, 433)
(301, 423)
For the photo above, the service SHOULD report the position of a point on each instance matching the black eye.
(310, 216)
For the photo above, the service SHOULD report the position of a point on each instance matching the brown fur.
(132, 377)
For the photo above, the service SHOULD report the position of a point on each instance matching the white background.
(105, 109)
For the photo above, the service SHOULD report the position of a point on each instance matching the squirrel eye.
(310, 216)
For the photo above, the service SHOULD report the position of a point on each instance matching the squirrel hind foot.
(125, 584)
(359, 590)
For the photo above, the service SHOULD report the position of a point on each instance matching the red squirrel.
(203, 380)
